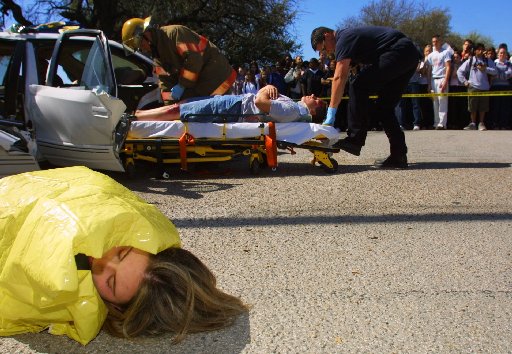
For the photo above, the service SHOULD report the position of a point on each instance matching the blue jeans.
(408, 105)
(216, 109)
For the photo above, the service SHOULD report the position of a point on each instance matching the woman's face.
(118, 274)
(502, 55)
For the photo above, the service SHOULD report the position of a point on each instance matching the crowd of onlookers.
(444, 69)
(292, 77)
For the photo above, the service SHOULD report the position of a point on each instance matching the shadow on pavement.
(186, 189)
(456, 165)
(230, 171)
(237, 170)
(340, 219)
(195, 184)
(231, 340)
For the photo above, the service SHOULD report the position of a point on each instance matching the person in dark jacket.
(387, 59)
(312, 78)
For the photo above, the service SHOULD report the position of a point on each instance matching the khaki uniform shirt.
(191, 60)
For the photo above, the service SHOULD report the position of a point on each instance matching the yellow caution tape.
(459, 94)
(448, 94)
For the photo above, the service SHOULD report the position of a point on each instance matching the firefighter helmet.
(132, 32)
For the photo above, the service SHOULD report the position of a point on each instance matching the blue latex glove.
(331, 116)
(177, 91)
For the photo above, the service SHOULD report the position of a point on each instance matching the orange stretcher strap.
(226, 85)
(185, 140)
(271, 145)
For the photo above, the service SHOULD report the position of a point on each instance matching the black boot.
(348, 146)
(392, 161)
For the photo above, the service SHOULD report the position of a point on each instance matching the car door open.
(76, 114)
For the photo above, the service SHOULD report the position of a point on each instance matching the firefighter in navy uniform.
(188, 64)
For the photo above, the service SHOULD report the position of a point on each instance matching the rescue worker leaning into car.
(187, 64)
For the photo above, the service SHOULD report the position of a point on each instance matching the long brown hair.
(178, 294)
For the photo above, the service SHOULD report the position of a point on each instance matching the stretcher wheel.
(328, 169)
(130, 170)
(256, 167)
(263, 164)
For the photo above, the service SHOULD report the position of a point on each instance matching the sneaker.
(481, 127)
(440, 127)
(471, 126)
(348, 146)
(397, 161)
(416, 127)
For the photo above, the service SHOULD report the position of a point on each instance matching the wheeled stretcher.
(82, 127)
(177, 142)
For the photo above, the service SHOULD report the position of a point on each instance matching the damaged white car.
(68, 93)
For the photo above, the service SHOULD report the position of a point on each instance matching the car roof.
(47, 36)
(54, 36)
(25, 36)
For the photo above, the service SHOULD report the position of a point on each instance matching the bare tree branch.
(7, 6)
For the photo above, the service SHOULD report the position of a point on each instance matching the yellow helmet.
(131, 33)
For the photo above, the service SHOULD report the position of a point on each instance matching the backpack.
(485, 60)
(466, 74)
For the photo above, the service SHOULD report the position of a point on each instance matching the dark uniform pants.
(388, 78)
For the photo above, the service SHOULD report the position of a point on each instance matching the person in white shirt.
(440, 63)
(249, 84)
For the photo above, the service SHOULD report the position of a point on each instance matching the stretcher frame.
(261, 150)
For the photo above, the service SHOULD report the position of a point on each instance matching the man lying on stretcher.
(266, 105)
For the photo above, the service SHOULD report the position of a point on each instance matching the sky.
(489, 19)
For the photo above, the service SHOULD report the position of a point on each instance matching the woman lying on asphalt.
(79, 251)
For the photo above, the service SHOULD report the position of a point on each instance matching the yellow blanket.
(46, 218)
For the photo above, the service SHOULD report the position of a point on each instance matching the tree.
(479, 38)
(10, 7)
(418, 21)
(243, 29)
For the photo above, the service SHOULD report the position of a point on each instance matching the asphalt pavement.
(359, 261)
